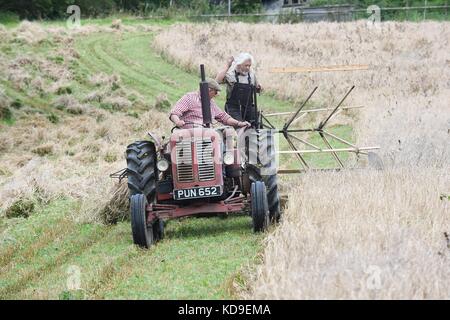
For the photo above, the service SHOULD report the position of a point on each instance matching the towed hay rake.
(290, 134)
(217, 171)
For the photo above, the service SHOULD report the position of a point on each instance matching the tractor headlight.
(228, 158)
(162, 165)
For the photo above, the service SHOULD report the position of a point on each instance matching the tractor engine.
(196, 164)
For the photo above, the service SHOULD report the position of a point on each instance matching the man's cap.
(212, 84)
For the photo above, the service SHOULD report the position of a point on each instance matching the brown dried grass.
(364, 235)
(83, 154)
(352, 235)
(405, 91)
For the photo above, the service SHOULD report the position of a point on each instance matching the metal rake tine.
(303, 141)
(336, 157)
(267, 120)
(287, 124)
(299, 156)
(340, 139)
(323, 123)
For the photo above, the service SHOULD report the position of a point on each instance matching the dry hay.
(30, 33)
(72, 159)
(352, 235)
(405, 91)
(365, 235)
(49, 157)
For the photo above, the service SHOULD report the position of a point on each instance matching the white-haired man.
(241, 84)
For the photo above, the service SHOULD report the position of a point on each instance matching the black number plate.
(199, 192)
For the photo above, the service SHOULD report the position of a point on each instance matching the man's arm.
(176, 119)
(178, 110)
(221, 75)
(226, 119)
(235, 123)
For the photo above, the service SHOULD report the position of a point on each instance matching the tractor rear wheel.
(143, 234)
(259, 206)
(273, 197)
(261, 149)
(141, 169)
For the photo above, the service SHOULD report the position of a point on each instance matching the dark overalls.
(240, 104)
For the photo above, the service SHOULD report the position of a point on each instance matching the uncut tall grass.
(405, 91)
(355, 234)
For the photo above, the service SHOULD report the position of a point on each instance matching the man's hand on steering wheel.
(180, 123)
(243, 124)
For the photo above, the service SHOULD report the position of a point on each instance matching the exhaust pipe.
(204, 96)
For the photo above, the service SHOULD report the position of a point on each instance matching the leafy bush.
(21, 208)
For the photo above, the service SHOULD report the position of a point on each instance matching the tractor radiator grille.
(185, 172)
(205, 160)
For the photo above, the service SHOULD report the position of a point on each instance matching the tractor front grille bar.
(185, 172)
(205, 156)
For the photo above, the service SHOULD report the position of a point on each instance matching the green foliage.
(64, 90)
(53, 118)
(245, 6)
(8, 18)
(52, 9)
(380, 3)
(17, 104)
(5, 113)
(21, 208)
(72, 295)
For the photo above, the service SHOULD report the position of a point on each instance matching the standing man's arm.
(221, 75)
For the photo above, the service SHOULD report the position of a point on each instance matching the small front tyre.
(143, 234)
(259, 206)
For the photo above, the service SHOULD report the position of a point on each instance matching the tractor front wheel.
(142, 232)
(259, 206)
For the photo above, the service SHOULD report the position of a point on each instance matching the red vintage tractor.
(202, 171)
(206, 171)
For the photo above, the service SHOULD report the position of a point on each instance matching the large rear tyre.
(141, 168)
(259, 207)
(261, 166)
(273, 197)
(143, 234)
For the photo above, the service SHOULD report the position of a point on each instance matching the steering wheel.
(188, 122)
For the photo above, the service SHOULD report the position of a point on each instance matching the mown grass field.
(200, 258)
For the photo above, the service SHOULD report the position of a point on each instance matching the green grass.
(196, 260)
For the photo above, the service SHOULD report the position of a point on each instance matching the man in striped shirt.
(188, 110)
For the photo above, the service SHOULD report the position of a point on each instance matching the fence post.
(425, 10)
(407, 10)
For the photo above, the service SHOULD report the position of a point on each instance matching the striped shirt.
(189, 109)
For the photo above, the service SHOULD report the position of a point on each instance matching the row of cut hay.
(71, 159)
(48, 157)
